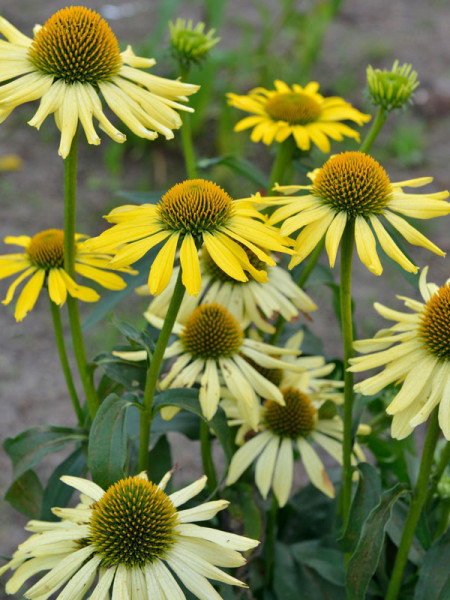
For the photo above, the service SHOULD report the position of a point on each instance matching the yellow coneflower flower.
(416, 352)
(194, 212)
(212, 350)
(43, 261)
(353, 186)
(128, 540)
(296, 423)
(249, 301)
(301, 112)
(73, 59)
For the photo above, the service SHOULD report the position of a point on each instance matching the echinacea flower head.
(212, 350)
(300, 112)
(352, 187)
(415, 352)
(42, 263)
(296, 424)
(193, 213)
(252, 301)
(392, 89)
(128, 540)
(191, 44)
(72, 60)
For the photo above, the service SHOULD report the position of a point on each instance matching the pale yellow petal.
(366, 246)
(162, 267)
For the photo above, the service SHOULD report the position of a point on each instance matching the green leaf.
(27, 449)
(293, 580)
(141, 338)
(129, 373)
(328, 563)
(187, 399)
(309, 514)
(241, 166)
(107, 449)
(364, 560)
(434, 578)
(56, 492)
(25, 494)
(367, 496)
(395, 527)
(160, 459)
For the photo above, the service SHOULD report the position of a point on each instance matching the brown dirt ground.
(32, 390)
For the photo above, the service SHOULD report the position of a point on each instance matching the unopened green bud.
(191, 44)
(392, 89)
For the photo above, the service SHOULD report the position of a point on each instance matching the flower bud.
(191, 44)
(392, 89)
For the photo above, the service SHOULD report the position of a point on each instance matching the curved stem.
(417, 502)
(153, 371)
(186, 134)
(378, 122)
(444, 460)
(70, 195)
(309, 267)
(56, 315)
(282, 161)
(207, 459)
(348, 241)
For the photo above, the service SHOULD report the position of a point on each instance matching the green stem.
(444, 460)
(282, 161)
(186, 134)
(207, 459)
(348, 241)
(312, 261)
(70, 195)
(270, 540)
(378, 122)
(146, 414)
(417, 502)
(56, 315)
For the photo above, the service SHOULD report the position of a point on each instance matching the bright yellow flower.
(352, 186)
(128, 541)
(194, 212)
(43, 261)
(73, 59)
(415, 351)
(301, 112)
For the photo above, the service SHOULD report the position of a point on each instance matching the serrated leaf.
(56, 492)
(364, 560)
(366, 497)
(107, 448)
(434, 578)
(29, 447)
(25, 494)
(238, 165)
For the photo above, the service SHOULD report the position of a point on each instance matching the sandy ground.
(32, 390)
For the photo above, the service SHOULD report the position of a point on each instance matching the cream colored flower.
(415, 352)
(73, 59)
(212, 350)
(296, 424)
(129, 541)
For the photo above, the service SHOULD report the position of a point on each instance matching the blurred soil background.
(262, 40)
